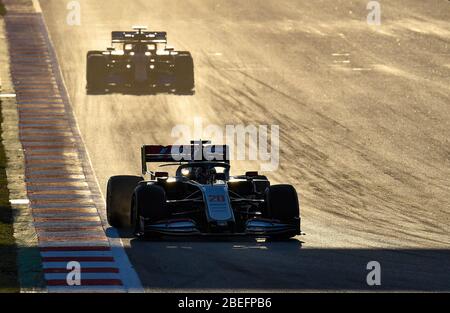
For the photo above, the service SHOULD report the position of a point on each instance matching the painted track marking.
(55, 157)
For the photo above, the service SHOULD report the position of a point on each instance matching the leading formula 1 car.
(201, 198)
(142, 60)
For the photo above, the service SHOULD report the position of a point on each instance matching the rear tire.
(184, 73)
(96, 72)
(118, 199)
(149, 203)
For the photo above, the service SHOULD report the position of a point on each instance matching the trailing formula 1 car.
(141, 60)
(201, 198)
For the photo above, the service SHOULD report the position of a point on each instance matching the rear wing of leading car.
(183, 153)
(139, 36)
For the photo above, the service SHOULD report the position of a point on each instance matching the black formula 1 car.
(201, 198)
(141, 60)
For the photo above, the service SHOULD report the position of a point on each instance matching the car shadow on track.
(207, 239)
(214, 264)
(140, 91)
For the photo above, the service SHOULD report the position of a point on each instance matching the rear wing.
(139, 36)
(183, 153)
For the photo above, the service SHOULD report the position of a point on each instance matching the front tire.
(118, 199)
(282, 204)
(150, 205)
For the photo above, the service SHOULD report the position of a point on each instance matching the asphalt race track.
(364, 116)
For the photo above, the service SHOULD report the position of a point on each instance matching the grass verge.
(8, 251)
(2, 9)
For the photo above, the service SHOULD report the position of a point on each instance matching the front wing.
(253, 227)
